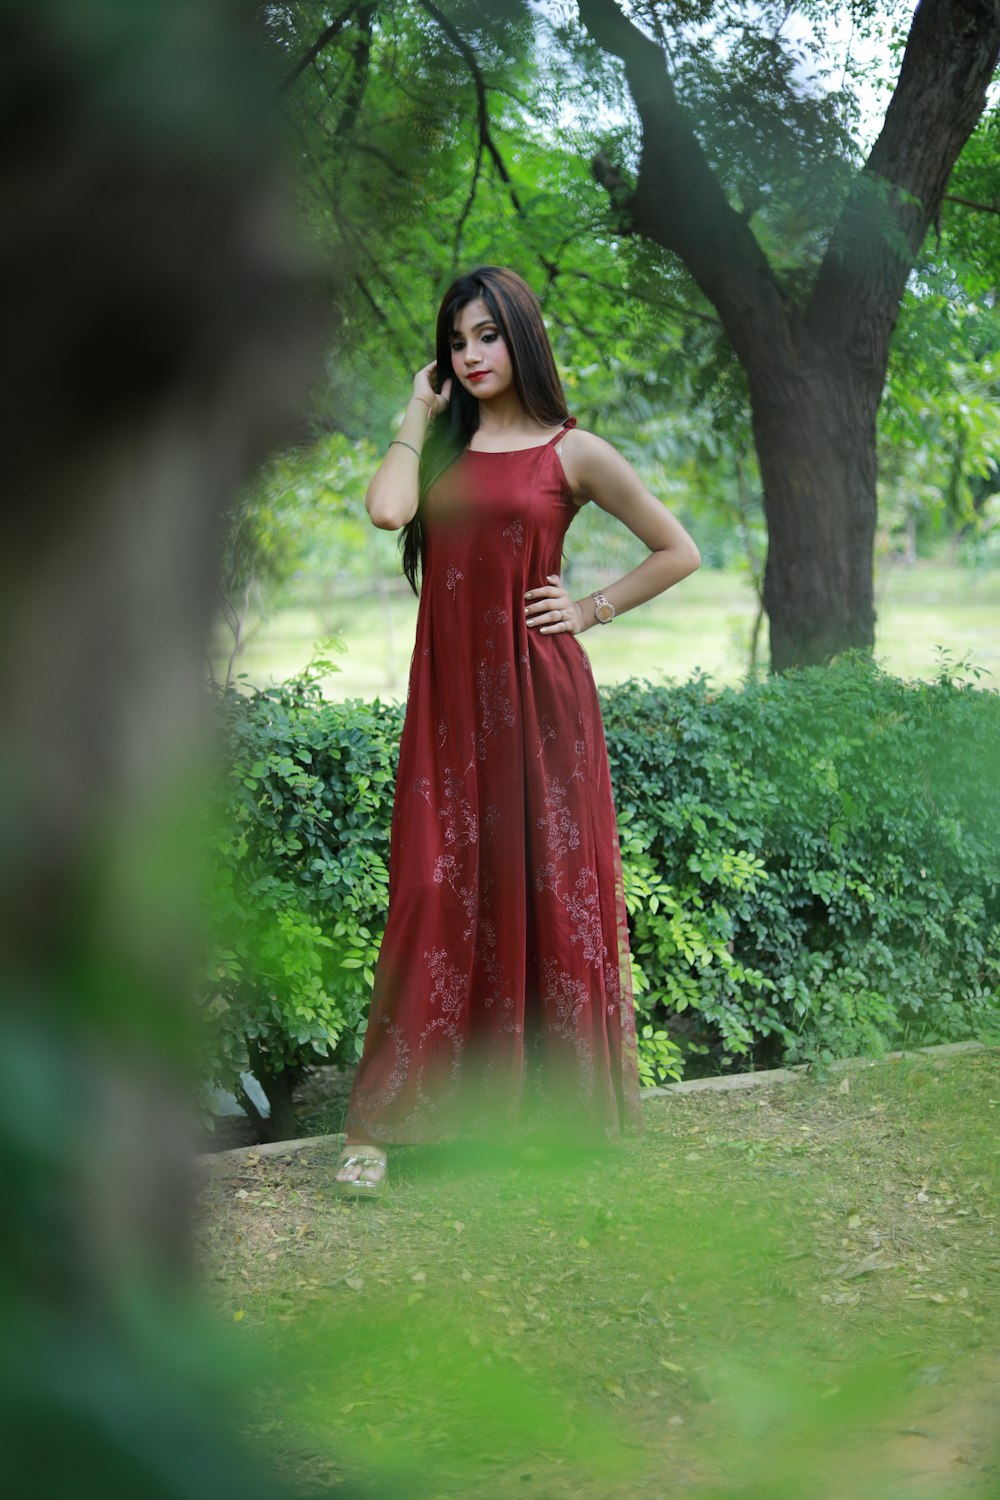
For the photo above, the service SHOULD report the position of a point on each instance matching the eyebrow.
(485, 323)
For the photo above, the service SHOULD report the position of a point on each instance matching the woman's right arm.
(391, 497)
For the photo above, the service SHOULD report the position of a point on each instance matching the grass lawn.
(705, 622)
(784, 1293)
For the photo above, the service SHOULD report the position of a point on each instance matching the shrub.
(812, 862)
(811, 869)
(300, 884)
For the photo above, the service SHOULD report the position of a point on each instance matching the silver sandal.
(359, 1187)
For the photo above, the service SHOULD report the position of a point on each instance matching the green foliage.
(297, 900)
(659, 1056)
(939, 430)
(812, 862)
(298, 526)
(811, 868)
(394, 97)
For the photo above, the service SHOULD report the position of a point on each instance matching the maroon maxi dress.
(502, 991)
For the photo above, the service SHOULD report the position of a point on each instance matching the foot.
(362, 1168)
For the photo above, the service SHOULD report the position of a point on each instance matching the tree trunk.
(816, 449)
(279, 1088)
(816, 369)
(282, 1125)
(139, 389)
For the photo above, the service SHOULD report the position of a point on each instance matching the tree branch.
(358, 75)
(983, 208)
(482, 110)
(951, 55)
(323, 40)
(658, 302)
(369, 297)
(456, 243)
(677, 200)
(248, 1107)
(350, 236)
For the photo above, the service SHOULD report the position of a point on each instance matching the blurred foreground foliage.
(811, 868)
(770, 1294)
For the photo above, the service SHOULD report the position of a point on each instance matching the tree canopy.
(694, 194)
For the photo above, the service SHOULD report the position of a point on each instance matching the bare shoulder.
(589, 461)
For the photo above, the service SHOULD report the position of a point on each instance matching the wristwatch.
(604, 610)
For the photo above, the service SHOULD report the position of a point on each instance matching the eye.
(490, 338)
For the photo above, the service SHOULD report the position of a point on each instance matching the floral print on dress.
(458, 818)
(545, 734)
(584, 908)
(496, 711)
(561, 831)
(515, 533)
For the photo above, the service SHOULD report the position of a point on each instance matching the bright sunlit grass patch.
(705, 622)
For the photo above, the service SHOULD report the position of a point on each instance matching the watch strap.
(603, 603)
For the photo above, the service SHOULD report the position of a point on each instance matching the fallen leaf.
(875, 1262)
(354, 1282)
(239, 1315)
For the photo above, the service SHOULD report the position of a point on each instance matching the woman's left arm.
(596, 471)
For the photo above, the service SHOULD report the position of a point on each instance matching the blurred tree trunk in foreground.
(157, 340)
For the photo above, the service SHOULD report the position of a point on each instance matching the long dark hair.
(518, 314)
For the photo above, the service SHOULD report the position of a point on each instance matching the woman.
(502, 988)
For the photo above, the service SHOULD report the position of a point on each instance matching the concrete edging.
(722, 1085)
(733, 1082)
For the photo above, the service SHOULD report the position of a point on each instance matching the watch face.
(604, 612)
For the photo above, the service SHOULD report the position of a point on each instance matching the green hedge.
(297, 898)
(812, 868)
(813, 863)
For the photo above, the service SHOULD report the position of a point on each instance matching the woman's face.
(479, 356)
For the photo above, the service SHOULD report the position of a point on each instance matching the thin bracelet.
(428, 405)
(404, 444)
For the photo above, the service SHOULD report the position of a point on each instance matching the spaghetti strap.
(569, 422)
